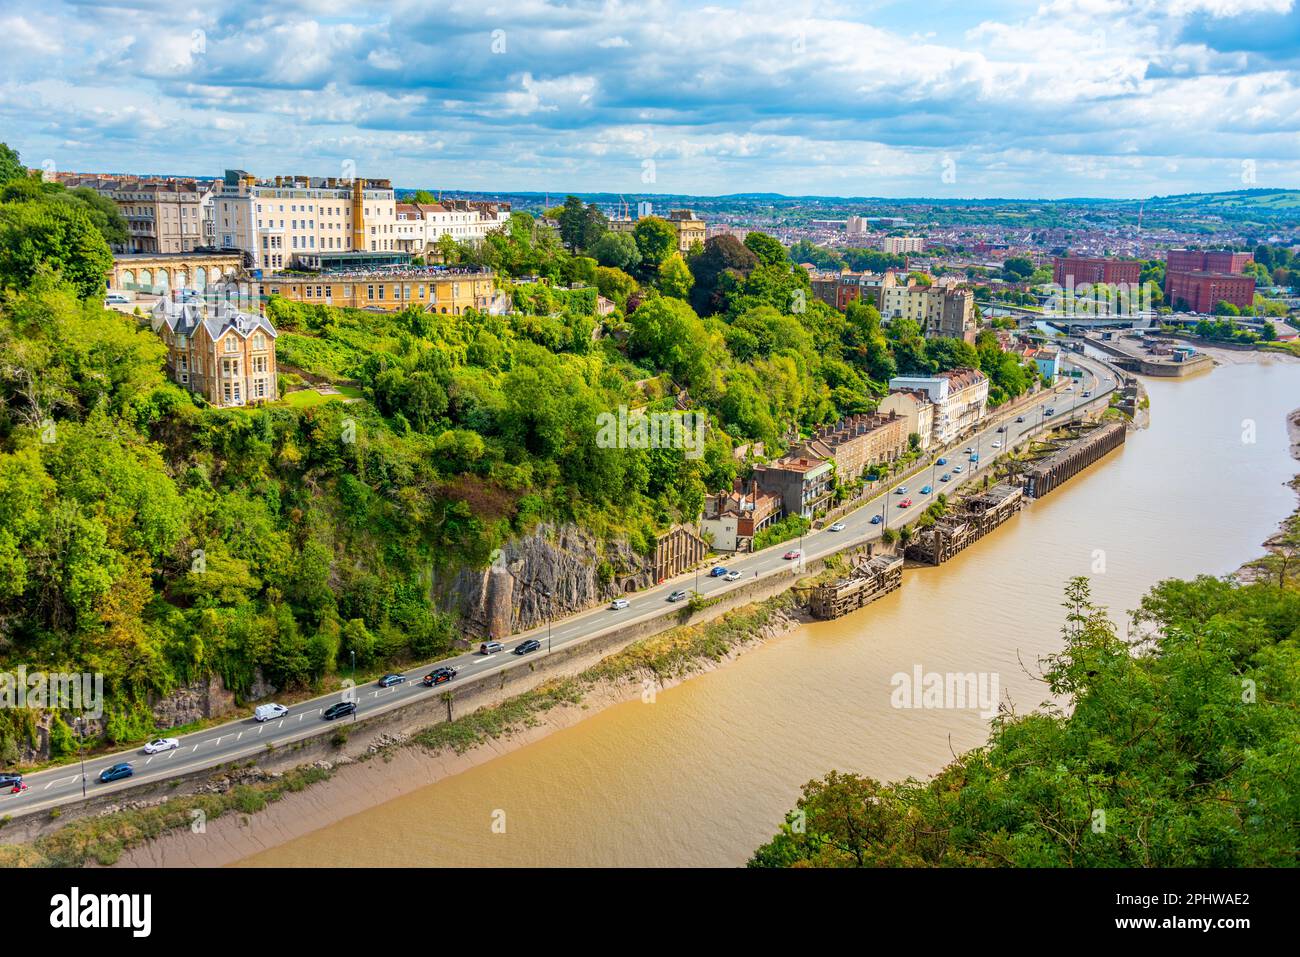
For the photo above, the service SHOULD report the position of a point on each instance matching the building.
(1077, 270)
(218, 352)
(420, 226)
(161, 272)
(1197, 280)
(279, 220)
(802, 484)
(902, 245)
(838, 289)
(960, 398)
(690, 229)
(915, 409)
(857, 443)
(163, 214)
(733, 518)
(1049, 364)
(1206, 260)
(1202, 291)
(432, 288)
(940, 310)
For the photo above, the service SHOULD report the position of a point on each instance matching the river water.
(704, 774)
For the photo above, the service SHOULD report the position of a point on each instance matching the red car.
(793, 553)
(905, 503)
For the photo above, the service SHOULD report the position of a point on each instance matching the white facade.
(960, 400)
(421, 225)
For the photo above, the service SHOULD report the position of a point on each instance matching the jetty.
(870, 579)
(968, 522)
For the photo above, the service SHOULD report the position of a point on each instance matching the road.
(246, 737)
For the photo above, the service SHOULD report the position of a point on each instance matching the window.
(232, 344)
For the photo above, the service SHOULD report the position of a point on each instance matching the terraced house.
(857, 443)
(225, 355)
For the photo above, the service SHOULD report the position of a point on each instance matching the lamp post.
(81, 751)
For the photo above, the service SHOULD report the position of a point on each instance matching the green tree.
(675, 278)
(655, 239)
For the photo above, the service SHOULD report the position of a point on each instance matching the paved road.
(246, 737)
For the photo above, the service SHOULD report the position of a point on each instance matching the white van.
(116, 299)
(269, 712)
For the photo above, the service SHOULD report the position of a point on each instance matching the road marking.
(147, 762)
(261, 728)
(172, 752)
(217, 743)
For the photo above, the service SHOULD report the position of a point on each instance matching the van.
(116, 299)
(269, 712)
(490, 647)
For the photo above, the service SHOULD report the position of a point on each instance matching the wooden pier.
(1074, 458)
(869, 579)
(968, 522)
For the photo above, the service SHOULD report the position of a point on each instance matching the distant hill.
(1283, 201)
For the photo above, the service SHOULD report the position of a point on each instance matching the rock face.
(205, 698)
(565, 563)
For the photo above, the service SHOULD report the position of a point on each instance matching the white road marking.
(151, 757)
(238, 736)
(170, 753)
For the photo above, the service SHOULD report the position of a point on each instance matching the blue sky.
(1117, 98)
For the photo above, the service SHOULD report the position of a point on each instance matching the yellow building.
(690, 229)
(434, 289)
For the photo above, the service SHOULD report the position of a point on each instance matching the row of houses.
(941, 308)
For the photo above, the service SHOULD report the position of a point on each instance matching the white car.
(997, 445)
(269, 712)
(732, 577)
(837, 527)
(161, 744)
(116, 299)
(618, 604)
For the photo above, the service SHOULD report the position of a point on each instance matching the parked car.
(339, 709)
(875, 519)
(618, 604)
(941, 461)
(717, 571)
(926, 489)
(116, 772)
(792, 554)
(161, 744)
(116, 299)
(490, 647)
(945, 477)
(387, 681)
(732, 576)
(837, 527)
(679, 596)
(524, 647)
(440, 676)
(269, 712)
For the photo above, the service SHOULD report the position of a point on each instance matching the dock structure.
(1074, 458)
(968, 522)
(869, 579)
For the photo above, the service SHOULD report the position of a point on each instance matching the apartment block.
(279, 220)
(915, 409)
(421, 225)
(940, 310)
(1202, 291)
(838, 289)
(163, 214)
(902, 245)
(803, 484)
(1077, 270)
(733, 518)
(224, 355)
(960, 398)
(1206, 260)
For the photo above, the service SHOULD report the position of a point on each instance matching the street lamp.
(81, 751)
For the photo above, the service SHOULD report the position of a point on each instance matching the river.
(703, 774)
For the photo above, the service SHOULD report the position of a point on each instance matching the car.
(11, 782)
(490, 647)
(161, 744)
(941, 461)
(969, 450)
(339, 709)
(269, 712)
(1050, 412)
(901, 490)
(387, 681)
(975, 457)
(116, 772)
(1002, 428)
(837, 527)
(875, 519)
(1087, 395)
(945, 477)
(997, 445)
(792, 554)
(679, 596)
(524, 647)
(926, 489)
(1020, 418)
(905, 503)
(717, 571)
(958, 468)
(618, 604)
(732, 576)
(440, 676)
(116, 299)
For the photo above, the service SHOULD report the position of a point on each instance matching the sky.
(1108, 98)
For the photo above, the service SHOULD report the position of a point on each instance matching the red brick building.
(1202, 291)
(1206, 260)
(1077, 270)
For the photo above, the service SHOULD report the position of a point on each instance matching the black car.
(387, 681)
(339, 710)
(116, 772)
(10, 781)
(532, 644)
(439, 675)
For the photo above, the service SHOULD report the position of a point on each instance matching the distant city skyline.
(1119, 99)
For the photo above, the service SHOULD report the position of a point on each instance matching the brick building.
(803, 484)
(1077, 270)
(857, 442)
(225, 355)
(1197, 280)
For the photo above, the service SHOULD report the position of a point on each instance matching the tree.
(615, 284)
(675, 278)
(768, 249)
(11, 166)
(55, 235)
(655, 239)
(573, 223)
(1017, 269)
(723, 258)
(617, 250)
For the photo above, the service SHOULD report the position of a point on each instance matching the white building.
(915, 408)
(900, 245)
(960, 398)
(421, 225)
